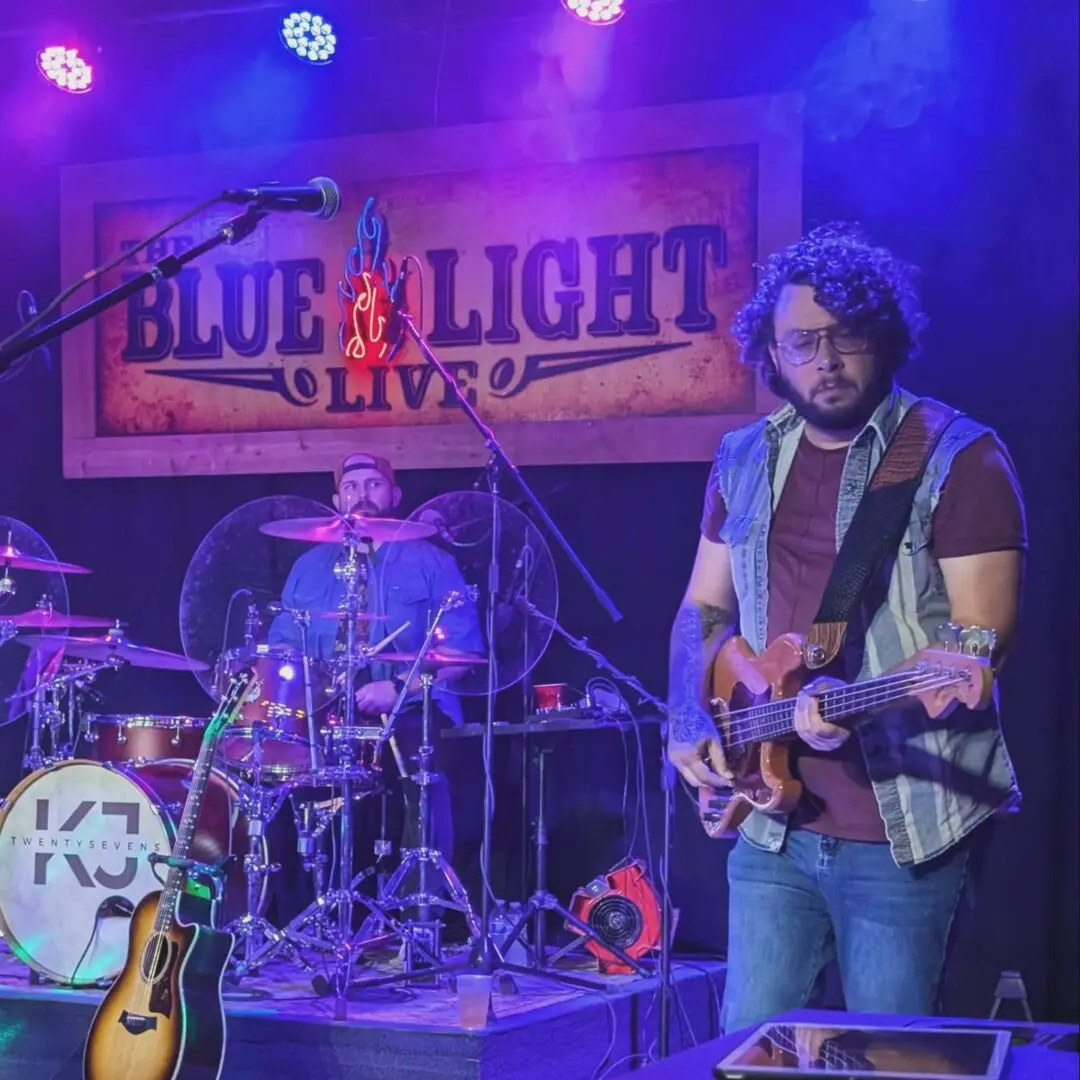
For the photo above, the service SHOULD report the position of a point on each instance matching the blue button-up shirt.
(407, 582)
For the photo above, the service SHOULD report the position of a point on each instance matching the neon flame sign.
(368, 329)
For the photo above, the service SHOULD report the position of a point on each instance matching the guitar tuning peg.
(949, 636)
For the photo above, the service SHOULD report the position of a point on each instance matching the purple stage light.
(62, 66)
(596, 12)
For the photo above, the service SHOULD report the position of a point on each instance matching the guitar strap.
(877, 525)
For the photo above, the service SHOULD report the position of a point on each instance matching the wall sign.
(577, 279)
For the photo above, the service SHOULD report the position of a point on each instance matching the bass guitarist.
(871, 866)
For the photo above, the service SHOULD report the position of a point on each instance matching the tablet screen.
(838, 1050)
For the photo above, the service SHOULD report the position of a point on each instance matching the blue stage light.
(596, 12)
(308, 36)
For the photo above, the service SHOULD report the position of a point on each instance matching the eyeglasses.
(799, 347)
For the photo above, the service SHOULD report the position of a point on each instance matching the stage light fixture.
(308, 36)
(596, 12)
(62, 66)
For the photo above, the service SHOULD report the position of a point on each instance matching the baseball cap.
(364, 461)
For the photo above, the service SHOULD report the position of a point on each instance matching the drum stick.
(394, 749)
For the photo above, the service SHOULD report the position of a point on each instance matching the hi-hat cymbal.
(336, 530)
(48, 619)
(11, 558)
(113, 646)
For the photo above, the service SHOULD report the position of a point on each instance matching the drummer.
(407, 582)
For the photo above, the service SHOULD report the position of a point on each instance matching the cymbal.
(335, 530)
(48, 619)
(358, 616)
(113, 646)
(433, 658)
(11, 558)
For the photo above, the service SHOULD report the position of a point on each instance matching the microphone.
(319, 197)
(434, 518)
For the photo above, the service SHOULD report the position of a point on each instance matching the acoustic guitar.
(753, 707)
(163, 1017)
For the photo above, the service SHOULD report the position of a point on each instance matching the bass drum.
(75, 841)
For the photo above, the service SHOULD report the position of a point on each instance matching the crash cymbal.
(335, 530)
(48, 619)
(114, 646)
(11, 558)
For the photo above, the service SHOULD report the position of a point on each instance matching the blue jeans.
(820, 898)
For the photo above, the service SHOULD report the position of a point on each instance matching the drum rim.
(148, 720)
(234, 788)
(5, 808)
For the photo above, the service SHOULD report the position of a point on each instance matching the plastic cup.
(474, 1000)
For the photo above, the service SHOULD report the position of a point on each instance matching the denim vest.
(934, 781)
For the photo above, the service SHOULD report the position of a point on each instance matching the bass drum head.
(71, 836)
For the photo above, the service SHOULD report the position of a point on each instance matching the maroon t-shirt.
(980, 510)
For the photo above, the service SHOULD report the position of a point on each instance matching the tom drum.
(116, 738)
(272, 730)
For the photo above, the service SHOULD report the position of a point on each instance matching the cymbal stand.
(421, 938)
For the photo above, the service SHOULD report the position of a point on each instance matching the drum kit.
(101, 791)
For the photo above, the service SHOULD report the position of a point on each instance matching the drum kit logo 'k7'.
(101, 792)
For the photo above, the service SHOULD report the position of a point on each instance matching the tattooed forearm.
(698, 633)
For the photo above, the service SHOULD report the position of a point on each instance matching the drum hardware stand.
(487, 959)
(45, 711)
(259, 805)
(420, 938)
(335, 935)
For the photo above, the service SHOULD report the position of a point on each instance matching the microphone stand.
(498, 462)
(232, 232)
(667, 784)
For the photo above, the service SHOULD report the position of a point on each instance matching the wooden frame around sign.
(772, 124)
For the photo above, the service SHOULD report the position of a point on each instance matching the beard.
(366, 508)
(850, 417)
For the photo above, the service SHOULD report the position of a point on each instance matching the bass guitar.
(753, 707)
(163, 1018)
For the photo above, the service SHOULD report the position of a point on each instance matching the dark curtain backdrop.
(951, 133)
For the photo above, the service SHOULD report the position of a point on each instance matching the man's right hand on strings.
(701, 763)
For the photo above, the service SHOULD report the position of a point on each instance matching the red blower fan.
(621, 909)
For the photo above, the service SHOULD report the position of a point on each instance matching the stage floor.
(277, 1026)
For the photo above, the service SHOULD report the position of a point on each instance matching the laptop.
(794, 1051)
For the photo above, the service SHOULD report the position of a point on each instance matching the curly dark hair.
(862, 286)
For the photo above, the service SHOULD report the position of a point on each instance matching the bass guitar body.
(162, 1019)
(762, 774)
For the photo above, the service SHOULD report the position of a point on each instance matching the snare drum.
(272, 730)
(78, 833)
(138, 737)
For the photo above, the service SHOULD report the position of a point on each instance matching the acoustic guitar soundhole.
(156, 956)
